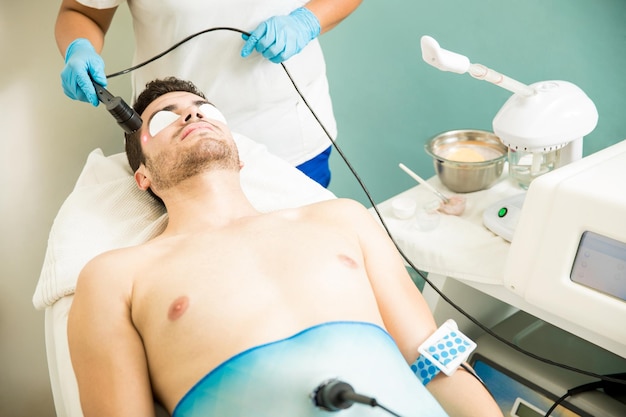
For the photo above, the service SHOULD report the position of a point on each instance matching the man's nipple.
(348, 261)
(178, 308)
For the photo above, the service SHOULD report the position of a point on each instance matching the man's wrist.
(445, 350)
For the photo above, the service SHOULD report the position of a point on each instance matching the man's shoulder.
(112, 264)
(114, 255)
(339, 203)
(339, 208)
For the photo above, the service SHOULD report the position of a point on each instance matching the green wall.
(389, 102)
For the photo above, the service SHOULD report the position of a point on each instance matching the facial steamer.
(542, 124)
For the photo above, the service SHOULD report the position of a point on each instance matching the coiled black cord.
(378, 214)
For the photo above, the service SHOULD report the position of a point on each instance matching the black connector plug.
(330, 395)
(335, 395)
(125, 115)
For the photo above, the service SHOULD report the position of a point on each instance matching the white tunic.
(254, 94)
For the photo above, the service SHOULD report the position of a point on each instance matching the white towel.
(460, 246)
(106, 211)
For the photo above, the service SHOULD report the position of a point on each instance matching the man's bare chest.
(255, 267)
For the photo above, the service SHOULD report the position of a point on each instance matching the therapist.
(239, 75)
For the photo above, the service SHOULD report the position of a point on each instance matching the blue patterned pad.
(278, 378)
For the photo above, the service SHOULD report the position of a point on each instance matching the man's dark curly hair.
(154, 89)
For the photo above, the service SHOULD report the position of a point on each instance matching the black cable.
(556, 404)
(171, 48)
(379, 215)
(574, 391)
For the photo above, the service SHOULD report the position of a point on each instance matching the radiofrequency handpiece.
(125, 115)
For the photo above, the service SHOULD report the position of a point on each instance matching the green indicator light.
(502, 212)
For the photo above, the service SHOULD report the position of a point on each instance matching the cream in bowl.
(467, 160)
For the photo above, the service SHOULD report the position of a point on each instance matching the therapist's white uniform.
(254, 94)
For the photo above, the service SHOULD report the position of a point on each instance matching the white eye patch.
(164, 118)
(161, 120)
(211, 112)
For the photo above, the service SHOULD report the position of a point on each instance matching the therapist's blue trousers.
(318, 168)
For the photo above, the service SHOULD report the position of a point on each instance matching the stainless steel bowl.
(467, 160)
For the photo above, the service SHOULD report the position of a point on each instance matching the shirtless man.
(180, 316)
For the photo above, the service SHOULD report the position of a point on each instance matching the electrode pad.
(445, 350)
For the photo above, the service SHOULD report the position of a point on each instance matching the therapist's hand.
(281, 37)
(81, 61)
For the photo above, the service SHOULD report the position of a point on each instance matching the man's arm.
(410, 322)
(462, 395)
(331, 12)
(77, 21)
(106, 351)
(404, 311)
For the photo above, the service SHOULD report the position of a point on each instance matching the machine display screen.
(600, 264)
(525, 410)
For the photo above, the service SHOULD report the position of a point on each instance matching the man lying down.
(233, 312)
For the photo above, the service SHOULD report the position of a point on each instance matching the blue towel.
(277, 379)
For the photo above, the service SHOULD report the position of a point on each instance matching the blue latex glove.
(81, 61)
(281, 37)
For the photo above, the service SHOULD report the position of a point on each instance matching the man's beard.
(169, 170)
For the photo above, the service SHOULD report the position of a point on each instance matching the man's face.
(183, 135)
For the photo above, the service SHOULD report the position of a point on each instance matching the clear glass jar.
(428, 216)
(526, 166)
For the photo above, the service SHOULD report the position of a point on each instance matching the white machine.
(568, 253)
